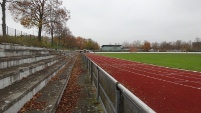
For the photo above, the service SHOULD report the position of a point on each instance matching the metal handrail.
(145, 108)
(139, 103)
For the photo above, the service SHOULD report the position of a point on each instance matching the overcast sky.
(117, 21)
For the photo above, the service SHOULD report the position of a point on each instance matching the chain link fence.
(16, 33)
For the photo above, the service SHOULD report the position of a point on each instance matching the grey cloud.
(116, 21)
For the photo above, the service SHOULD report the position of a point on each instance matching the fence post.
(84, 58)
(21, 33)
(88, 66)
(91, 72)
(118, 99)
(87, 63)
(97, 84)
(15, 32)
(7, 30)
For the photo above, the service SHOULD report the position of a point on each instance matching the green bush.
(29, 41)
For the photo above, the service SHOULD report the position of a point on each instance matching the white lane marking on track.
(160, 79)
(164, 80)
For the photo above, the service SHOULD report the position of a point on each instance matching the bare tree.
(32, 13)
(137, 44)
(196, 45)
(185, 46)
(165, 46)
(125, 44)
(146, 46)
(58, 17)
(155, 46)
(197, 39)
(80, 42)
(178, 44)
(65, 32)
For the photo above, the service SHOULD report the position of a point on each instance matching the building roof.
(111, 46)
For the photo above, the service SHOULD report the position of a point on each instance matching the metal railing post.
(118, 99)
(97, 84)
(87, 62)
(84, 57)
(91, 72)
(89, 65)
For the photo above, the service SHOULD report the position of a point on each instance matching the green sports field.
(188, 61)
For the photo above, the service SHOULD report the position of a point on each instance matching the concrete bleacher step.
(10, 75)
(19, 52)
(14, 96)
(7, 50)
(6, 62)
(48, 98)
(17, 46)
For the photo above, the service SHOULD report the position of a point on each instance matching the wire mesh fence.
(16, 33)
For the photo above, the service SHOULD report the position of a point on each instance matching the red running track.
(165, 90)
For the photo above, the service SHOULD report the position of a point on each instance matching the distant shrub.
(28, 41)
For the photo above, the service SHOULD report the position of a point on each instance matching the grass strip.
(188, 61)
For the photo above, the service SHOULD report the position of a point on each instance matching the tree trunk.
(3, 6)
(39, 33)
(52, 34)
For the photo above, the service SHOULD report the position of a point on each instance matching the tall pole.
(3, 7)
